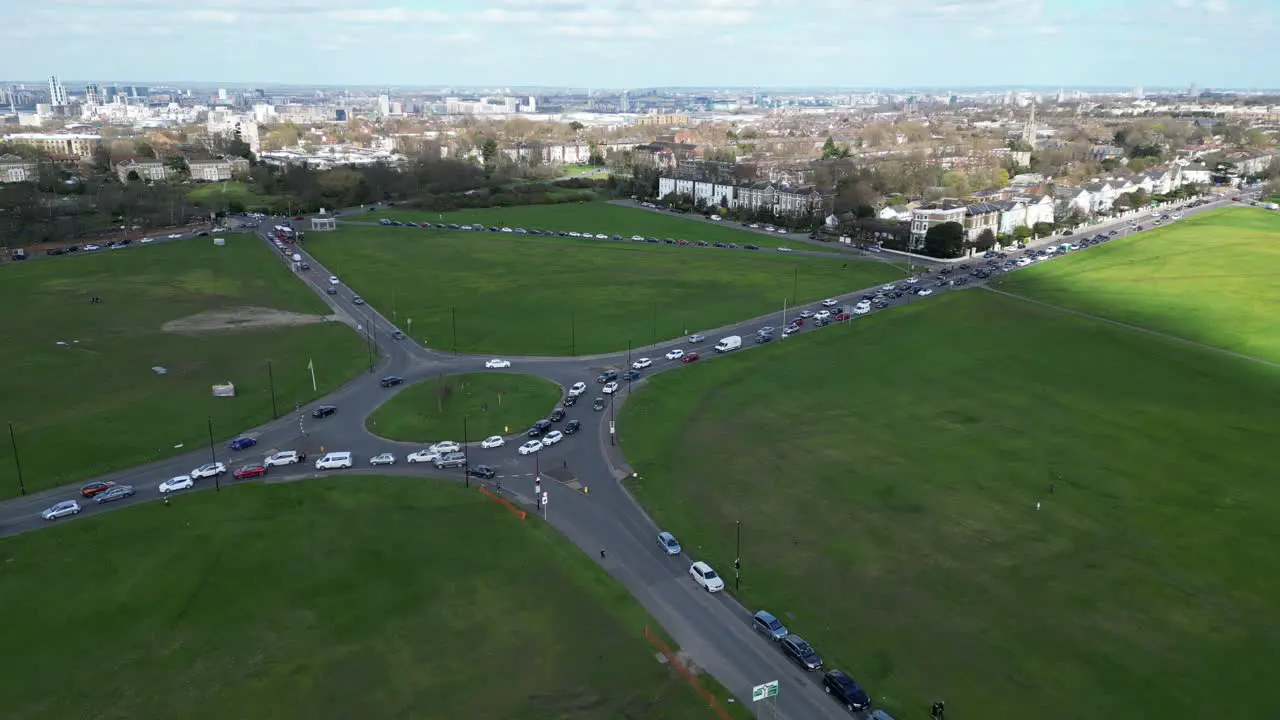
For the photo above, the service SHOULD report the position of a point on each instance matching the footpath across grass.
(79, 384)
(974, 498)
(520, 295)
(358, 597)
(595, 218)
(493, 403)
(1210, 278)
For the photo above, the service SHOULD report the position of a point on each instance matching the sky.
(649, 43)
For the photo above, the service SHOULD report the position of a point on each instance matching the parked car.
(706, 577)
(117, 492)
(669, 543)
(845, 691)
(765, 623)
(800, 652)
(62, 509)
(182, 482)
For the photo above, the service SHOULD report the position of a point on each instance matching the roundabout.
(466, 407)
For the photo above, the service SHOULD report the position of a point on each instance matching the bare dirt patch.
(244, 318)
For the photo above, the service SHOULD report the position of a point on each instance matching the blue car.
(241, 443)
(669, 543)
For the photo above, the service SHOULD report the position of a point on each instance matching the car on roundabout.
(675, 354)
(497, 363)
(208, 470)
(641, 364)
(577, 389)
(530, 447)
(830, 302)
(484, 472)
(182, 482)
(423, 456)
(552, 438)
(62, 509)
(924, 293)
(284, 457)
(493, 441)
(695, 339)
(242, 443)
(610, 387)
(690, 357)
(382, 459)
(598, 404)
(250, 471)
(446, 446)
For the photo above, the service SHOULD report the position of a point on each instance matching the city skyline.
(663, 43)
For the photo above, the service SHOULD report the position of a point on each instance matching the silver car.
(383, 459)
(62, 509)
(116, 492)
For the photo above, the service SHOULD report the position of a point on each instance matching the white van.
(334, 461)
(733, 342)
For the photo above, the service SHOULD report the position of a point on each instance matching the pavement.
(585, 476)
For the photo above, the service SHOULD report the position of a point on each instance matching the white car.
(888, 288)
(335, 461)
(284, 457)
(609, 388)
(924, 293)
(637, 238)
(422, 456)
(147, 241)
(861, 309)
(175, 236)
(641, 364)
(552, 438)
(62, 509)
(784, 249)
(207, 471)
(822, 315)
(675, 354)
(333, 279)
(497, 363)
(506, 229)
(706, 577)
(829, 302)
(383, 459)
(92, 247)
(446, 446)
(532, 446)
(1023, 262)
(493, 441)
(601, 236)
(695, 338)
(575, 234)
(806, 314)
(913, 280)
(577, 389)
(182, 482)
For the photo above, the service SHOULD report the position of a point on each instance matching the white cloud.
(391, 15)
(213, 16)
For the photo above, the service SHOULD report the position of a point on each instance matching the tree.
(133, 176)
(1042, 229)
(576, 126)
(986, 241)
(1021, 233)
(143, 148)
(178, 165)
(1001, 178)
(945, 240)
(489, 152)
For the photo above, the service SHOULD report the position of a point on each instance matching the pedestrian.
(601, 553)
(166, 499)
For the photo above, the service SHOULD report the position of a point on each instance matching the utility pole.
(453, 312)
(272, 378)
(13, 439)
(213, 454)
(737, 559)
(466, 456)
(573, 332)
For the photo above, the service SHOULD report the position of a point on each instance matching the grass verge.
(493, 403)
(550, 296)
(988, 501)
(79, 385)
(360, 597)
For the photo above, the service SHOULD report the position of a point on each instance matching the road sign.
(610, 427)
(767, 690)
(544, 498)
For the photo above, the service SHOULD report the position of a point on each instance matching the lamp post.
(213, 454)
(654, 341)
(13, 439)
(453, 312)
(795, 283)
(573, 332)
(272, 379)
(466, 456)
(737, 558)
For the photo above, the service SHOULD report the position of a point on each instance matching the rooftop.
(51, 136)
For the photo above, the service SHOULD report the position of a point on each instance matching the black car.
(569, 401)
(539, 429)
(801, 652)
(331, 291)
(720, 245)
(845, 691)
(631, 375)
(572, 427)
(392, 380)
(763, 338)
(484, 472)
(324, 411)
(607, 376)
(598, 404)
(751, 247)
(557, 415)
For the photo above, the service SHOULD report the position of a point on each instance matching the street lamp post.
(654, 341)
(272, 379)
(13, 439)
(795, 283)
(737, 558)
(453, 312)
(213, 455)
(466, 455)
(573, 332)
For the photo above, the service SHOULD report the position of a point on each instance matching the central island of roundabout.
(487, 403)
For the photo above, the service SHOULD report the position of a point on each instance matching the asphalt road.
(584, 475)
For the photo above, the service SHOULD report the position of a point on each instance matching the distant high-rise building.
(1138, 94)
(340, 115)
(384, 105)
(533, 104)
(222, 94)
(624, 102)
(1191, 91)
(57, 93)
(93, 94)
(1029, 132)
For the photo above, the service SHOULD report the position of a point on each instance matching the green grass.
(597, 217)
(887, 476)
(1209, 278)
(359, 597)
(553, 296)
(94, 404)
(493, 403)
(232, 191)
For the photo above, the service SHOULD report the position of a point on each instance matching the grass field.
(1210, 278)
(599, 217)
(493, 403)
(359, 597)
(553, 296)
(79, 385)
(220, 195)
(887, 476)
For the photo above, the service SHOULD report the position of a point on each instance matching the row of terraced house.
(757, 196)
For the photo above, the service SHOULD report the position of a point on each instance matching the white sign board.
(544, 498)
(767, 690)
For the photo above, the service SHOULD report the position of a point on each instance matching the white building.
(57, 93)
(224, 123)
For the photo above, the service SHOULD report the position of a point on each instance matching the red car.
(841, 317)
(96, 487)
(798, 321)
(689, 358)
(250, 471)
